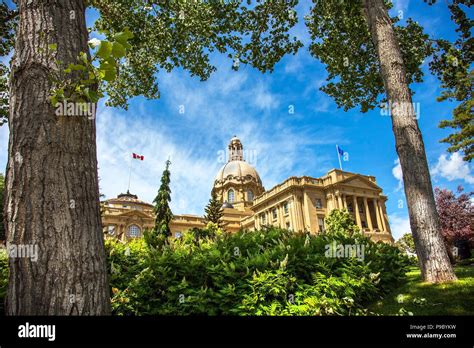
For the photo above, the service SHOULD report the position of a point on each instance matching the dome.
(237, 169)
(237, 183)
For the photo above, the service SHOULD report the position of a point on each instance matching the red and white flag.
(140, 157)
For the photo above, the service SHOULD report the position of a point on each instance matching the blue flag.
(341, 151)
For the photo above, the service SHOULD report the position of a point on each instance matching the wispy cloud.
(398, 174)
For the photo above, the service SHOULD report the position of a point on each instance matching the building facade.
(298, 203)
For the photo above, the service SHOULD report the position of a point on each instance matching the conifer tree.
(162, 211)
(214, 211)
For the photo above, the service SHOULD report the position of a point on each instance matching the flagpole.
(339, 157)
(129, 175)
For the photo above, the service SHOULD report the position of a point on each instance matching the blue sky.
(255, 107)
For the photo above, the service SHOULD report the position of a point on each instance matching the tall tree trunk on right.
(424, 220)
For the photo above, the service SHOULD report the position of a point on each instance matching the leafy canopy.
(342, 41)
(180, 33)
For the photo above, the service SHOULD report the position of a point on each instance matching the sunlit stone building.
(298, 203)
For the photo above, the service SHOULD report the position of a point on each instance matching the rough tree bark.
(52, 193)
(424, 221)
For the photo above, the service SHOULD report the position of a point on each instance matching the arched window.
(133, 231)
(250, 195)
(230, 196)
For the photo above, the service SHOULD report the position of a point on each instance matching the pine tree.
(163, 215)
(214, 211)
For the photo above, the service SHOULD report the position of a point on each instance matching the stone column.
(356, 212)
(382, 216)
(281, 216)
(377, 214)
(292, 212)
(299, 214)
(344, 200)
(367, 215)
(339, 198)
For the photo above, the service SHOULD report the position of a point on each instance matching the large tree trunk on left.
(52, 194)
(424, 221)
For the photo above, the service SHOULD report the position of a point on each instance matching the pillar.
(377, 214)
(367, 215)
(382, 216)
(356, 212)
(339, 198)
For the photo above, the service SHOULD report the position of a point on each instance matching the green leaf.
(52, 47)
(105, 49)
(118, 50)
(123, 36)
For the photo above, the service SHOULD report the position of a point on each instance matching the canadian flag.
(135, 156)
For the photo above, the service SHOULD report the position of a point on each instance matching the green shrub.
(3, 279)
(267, 272)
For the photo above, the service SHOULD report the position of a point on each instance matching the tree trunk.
(52, 201)
(424, 220)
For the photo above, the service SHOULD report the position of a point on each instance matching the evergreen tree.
(214, 211)
(162, 211)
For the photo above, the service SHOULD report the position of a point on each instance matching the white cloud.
(401, 5)
(399, 225)
(398, 174)
(229, 104)
(453, 168)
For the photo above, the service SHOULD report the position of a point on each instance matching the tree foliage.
(171, 34)
(7, 24)
(340, 222)
(342, 41)
(406, 243)
(268, 272)
(214, 211)
(452, 64)
(455, 212)
(162, 211)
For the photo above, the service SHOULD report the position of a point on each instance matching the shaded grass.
(455, 298)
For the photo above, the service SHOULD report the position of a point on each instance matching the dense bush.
(267, 272)
(3, 278)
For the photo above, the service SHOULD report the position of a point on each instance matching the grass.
(420, 298)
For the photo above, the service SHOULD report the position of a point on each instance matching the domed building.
(237, 182)
(298, 203)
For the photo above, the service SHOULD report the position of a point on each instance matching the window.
(274, 214)
(350, 208)
(364, 224)
(133, 231)
(286, 208)
(321, 224)
(318, 203)
(263, 219)
(250, 195)
(230, 196)
(111, 230)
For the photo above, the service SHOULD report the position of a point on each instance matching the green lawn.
(421, 298)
